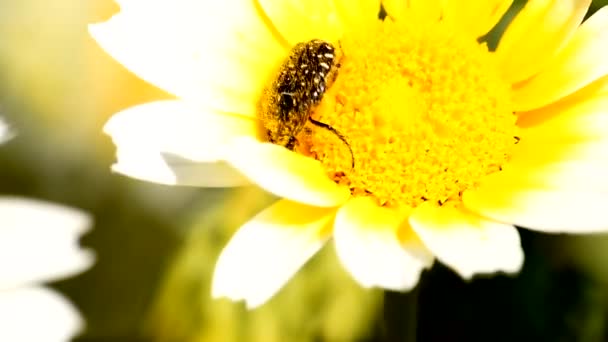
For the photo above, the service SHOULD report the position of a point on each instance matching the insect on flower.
(303, 79)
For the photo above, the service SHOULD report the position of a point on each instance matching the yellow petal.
(218, 53)
(286, 173)
(357, 15)
(476, 17)
(368, 245)
(37, 313)
(301, 21)
(535, 153)
(536, 34)
(580, 122)
(419, 10)
(592, 92)
(581, 61)
(174, 142)
(571, 175)
(268, 250)
(548, 210)
(597, 88)
(467, 243)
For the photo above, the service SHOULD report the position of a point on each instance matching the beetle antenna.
(338, 134)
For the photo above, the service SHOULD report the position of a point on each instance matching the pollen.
(424, 111)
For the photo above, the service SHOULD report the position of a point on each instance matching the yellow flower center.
(423, 109)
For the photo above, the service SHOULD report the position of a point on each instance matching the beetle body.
(301, 83)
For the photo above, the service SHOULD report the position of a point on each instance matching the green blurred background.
(156, 245)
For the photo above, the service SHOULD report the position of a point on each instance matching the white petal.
(173, 170)
(37, 314)
(548, 210)
(268, 250)
(173, 142)
(179, 128)
(467, 243)
(286, 174)
(219, 53)
(39, 242)
(368, 244)
(554, 165)
(549, 186)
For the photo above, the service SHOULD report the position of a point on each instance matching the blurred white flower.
(39, 243)
(6, 133)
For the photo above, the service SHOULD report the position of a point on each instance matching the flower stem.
(401, 315)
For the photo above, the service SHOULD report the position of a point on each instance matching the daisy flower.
(429, 144)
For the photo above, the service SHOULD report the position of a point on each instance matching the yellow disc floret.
(424, 110)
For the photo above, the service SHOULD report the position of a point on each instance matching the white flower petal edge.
(285, 173)
(37, 314)
(467, 243)
(268, 250)
(39, 242)
(368, 245)
(177, 143)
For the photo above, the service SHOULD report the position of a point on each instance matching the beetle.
(303, 78)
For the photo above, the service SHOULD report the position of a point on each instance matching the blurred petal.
(476, 17)
(218, 53)
(6, 133)
(581, 61)
(286, 174)
(467, 243)
(39, 242)
(37, 314)
(536, 34)
(268, 250)
(539, 208)
(368, 244)
(173, 142)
